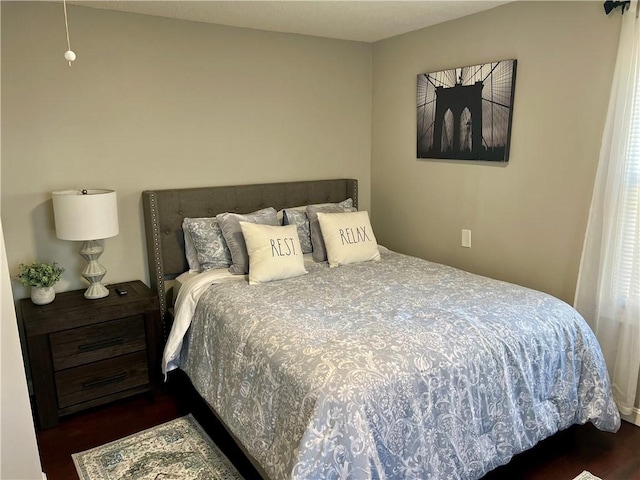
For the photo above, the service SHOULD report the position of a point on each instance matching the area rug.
(587, 476)
(176, 450)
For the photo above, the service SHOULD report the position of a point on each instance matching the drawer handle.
(105, 381)
(98, 345)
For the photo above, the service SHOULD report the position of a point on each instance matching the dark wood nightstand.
(85, 353)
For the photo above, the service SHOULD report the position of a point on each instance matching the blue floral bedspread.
(397, 369)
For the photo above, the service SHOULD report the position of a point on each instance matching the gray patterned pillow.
(211, 248)
(319, 250)
(232, 233)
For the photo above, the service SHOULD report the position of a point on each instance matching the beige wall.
(161, 103)
(527, 218)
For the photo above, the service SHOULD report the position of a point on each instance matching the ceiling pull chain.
(69, 55)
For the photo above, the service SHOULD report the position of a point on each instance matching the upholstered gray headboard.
(164, 211)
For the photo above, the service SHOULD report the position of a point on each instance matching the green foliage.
(40, 274)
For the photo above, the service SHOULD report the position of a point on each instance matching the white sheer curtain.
(608, 287)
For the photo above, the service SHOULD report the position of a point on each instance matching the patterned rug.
(176, 450)
(587, 476)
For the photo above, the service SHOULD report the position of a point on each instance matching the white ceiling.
(360, 20)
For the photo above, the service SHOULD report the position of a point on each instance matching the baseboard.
(44, 476)
(633, 417)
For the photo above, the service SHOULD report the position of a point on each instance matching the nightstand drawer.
(92, 343)
(89, 352)
(80, 384)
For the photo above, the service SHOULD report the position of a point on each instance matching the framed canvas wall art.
(465, 113)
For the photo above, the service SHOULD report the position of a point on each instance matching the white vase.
(42, 295)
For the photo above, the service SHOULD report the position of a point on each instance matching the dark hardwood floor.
(565, 455)
(98, 426)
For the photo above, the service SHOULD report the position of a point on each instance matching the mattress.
(394, 369)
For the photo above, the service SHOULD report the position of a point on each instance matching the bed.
(394, 368)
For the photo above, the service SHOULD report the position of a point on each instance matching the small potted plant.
(41, 277)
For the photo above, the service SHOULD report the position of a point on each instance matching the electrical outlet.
(466, 238)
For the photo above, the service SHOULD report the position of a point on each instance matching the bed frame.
(164, 211)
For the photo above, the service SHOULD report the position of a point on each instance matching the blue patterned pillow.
(210, 246)
(301, 221)
(190, 250)
(232, 233)
(298, 216)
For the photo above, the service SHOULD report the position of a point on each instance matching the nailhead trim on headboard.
(157, 280)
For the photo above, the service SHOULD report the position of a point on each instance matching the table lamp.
(88, 216)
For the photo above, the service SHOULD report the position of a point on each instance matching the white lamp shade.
(85, 215)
